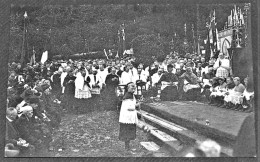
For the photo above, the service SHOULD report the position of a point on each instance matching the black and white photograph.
(130, 80)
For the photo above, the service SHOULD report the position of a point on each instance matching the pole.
(123, 32)
(198, 35)
(23, 53)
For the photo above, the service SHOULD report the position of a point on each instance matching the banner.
(44, 57)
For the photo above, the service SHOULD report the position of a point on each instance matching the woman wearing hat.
(128, 116)
(235, 97)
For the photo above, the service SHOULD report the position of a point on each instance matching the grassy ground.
(92, 135)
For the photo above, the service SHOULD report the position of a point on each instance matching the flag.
(44, 57)
(217, 40)
(123, 34)
(210, 36)
(242, 18)
(230, 20)
(32, 61)
(207, 51)
(211, 53)
(198, 48)
(105, 53)
(25, 15)
(117, 56)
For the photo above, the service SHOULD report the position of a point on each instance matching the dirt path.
(92, 135)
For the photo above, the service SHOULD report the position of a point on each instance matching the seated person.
(248, 94)
(13, 137)
(207, 78)
(230, 87)
(27, 128)
(191, 86)
(155, 79)
(235, 96)
(217, 96)
(11, 151)
(169, 83)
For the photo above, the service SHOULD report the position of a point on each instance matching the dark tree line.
(150, 29)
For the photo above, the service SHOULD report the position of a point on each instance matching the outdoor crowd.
(37, 93)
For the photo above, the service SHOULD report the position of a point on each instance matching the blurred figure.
(206, 148)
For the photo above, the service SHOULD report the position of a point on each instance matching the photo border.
(4, 53)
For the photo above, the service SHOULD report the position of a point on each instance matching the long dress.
(82, 94)
(82, 91)
(128, 118)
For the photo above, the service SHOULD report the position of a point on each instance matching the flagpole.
(198, 37)
(123, 36)
(22, 59)
(118, 44)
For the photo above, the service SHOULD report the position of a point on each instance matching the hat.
(44, 86)
(27, 93)
(160, 69)
(34, 100)
(170, 66)
(221, 78)
(26, 109)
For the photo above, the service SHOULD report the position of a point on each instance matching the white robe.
(62, 77)
(126, 77)
(126, 116)
(155, 78)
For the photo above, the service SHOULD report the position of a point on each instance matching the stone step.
(150, 146)
(169, 144)
(182, 134)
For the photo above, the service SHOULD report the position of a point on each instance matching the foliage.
(88, 28)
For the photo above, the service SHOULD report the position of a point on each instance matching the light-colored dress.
(235, 95)
(82, 91)
(126, 116)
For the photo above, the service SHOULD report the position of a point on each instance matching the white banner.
(44, 57)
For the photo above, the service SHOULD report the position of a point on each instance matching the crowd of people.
(36, 93)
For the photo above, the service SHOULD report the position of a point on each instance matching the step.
(150, 146)
(169, 125)
(180, 132)
(168, 142)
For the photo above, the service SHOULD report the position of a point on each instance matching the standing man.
(222, 66)
(126, 76)
(69, 93)
(112, 81)
(96, 86)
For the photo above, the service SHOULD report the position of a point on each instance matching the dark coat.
(11, 135)
(56, 81)
(69, 84)
(26, 129)
(110, 83)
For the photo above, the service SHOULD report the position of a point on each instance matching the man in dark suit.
(12, 135)
(69, 93)
(112, 81)
(56, 86)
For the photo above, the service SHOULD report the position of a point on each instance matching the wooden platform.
(223, 123)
